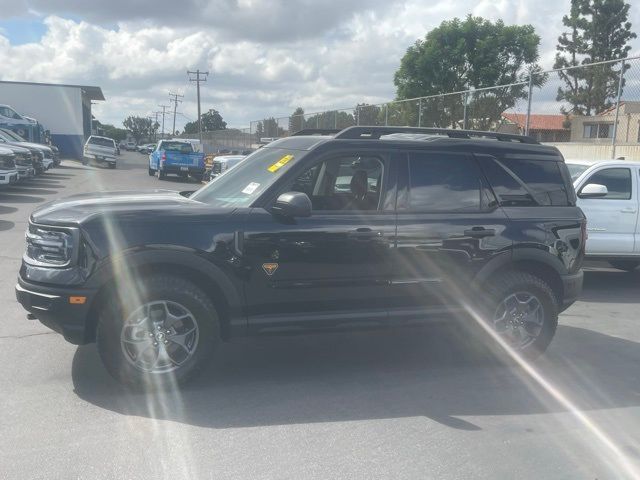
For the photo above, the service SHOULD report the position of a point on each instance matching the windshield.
(13, 135)
(241, 185)
(576, 169)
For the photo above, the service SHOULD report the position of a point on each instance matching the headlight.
(50, 246)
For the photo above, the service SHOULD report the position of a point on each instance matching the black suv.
(368, 226)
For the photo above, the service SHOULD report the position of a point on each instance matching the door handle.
(479, 232)
(628, 210)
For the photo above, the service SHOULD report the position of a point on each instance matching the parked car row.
(21, 160)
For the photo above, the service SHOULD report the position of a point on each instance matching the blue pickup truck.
(178, 157)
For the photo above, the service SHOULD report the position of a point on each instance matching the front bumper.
(572, 288)
(53, 308)
(8, 178)
(26, 173)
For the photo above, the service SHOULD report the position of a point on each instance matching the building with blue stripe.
(64, 110)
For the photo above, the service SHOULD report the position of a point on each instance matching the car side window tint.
(351, 182)
(444, 183)
(543, 178)
(617, 181)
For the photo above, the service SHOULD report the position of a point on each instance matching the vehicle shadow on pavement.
(5, 225)
(613, 286)
(9, 198)
(4, 209)
(30, 189)
(439, 373)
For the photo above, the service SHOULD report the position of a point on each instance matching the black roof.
(419, 138)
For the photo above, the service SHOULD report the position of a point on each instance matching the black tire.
(159, 287)
(626, 265)
(85, 162)
(112, 165)
(152, 172)
(510, 283)
(160, 174)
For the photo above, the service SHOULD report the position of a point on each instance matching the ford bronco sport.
(368, 226)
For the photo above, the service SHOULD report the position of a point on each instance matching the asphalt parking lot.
(419, 403)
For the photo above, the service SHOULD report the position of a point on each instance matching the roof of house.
(537, 121)
(92, 92)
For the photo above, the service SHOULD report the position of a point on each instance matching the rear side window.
(103, 142)
(617, 181)
(181, 147)
(444, 183)
(524, 182)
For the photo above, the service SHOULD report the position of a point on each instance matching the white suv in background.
(100, 149)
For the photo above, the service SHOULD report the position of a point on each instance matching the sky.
(264, 57)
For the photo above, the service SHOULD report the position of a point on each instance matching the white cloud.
(265, 57)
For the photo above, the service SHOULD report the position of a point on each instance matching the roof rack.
(316, 131)
(375, 133)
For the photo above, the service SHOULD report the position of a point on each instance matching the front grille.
(7, 163)
(23, 160)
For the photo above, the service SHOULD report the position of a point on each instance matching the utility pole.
(197, 79)
(155, 122)
(175, 109)
(163, 114)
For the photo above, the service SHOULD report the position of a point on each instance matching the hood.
(38, 146)
(79, 208)
(14, 147)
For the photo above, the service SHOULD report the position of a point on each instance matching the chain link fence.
(590, 111)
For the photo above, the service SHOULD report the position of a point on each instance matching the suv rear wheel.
(161, 338)
(626, 265)
(523, 310)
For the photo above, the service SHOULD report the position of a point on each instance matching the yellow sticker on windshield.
(280, 163)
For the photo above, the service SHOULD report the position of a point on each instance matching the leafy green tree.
(211, 121)
(118, 134)
(366, 114)
(296, 120)
(140, 127)
(269, 128)
(462, 55)
(598, 30)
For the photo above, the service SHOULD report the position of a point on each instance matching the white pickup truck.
(609, 195)
(100, 149)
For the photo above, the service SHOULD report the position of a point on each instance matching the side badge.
(269, 268)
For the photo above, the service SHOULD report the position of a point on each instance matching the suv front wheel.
(523, 310)
(159, 338)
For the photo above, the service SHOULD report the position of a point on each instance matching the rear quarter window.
(525, 182)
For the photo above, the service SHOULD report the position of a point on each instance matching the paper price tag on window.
(249, 189)
(280, 163)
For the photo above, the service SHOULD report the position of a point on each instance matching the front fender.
(118, 267)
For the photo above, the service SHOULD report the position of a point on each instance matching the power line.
(197, 79)
(175, 108)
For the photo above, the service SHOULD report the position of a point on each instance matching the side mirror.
(292, 204)
(593, 190)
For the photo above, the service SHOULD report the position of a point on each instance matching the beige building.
(599, 128)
